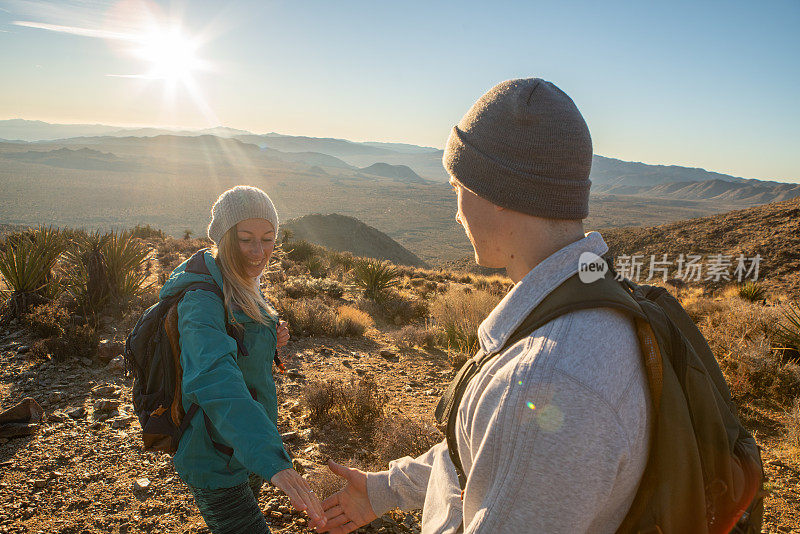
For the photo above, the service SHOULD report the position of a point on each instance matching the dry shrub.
(354, 321)
(395, 437)
(792, 443)
(697, 305)
(494, 284)
(742, 335)
(458, 314)
(316, 317)
(395, 307)
(303, 286)
(63, 338)
(415, 336)
(355, 404)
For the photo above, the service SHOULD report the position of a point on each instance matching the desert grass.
(744, 337)
(457, 315)
(356, 405)
(317, 317)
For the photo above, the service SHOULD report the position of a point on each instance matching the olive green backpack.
(704, 471)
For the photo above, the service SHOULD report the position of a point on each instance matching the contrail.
(74, 30)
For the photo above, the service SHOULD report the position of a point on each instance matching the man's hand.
(348, 508)
(283, 333)
(301, 495)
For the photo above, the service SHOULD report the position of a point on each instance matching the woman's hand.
(302, 496)
(283, 333)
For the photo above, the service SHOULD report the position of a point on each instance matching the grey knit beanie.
(525, 146)
(238, 204)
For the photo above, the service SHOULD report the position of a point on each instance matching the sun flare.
(171, 55)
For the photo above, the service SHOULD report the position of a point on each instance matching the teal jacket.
(220, 382)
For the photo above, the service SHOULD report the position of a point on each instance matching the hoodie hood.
(201, 267)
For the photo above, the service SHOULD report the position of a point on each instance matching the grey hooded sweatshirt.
(552, 433)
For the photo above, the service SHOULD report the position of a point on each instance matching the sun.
(171, 55)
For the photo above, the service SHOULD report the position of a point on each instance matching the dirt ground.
(77, 473)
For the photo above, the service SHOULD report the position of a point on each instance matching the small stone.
(141, 484)
(430, 392)
(86, 361)
(77, 413)
(289, 436)
(107, 349)
(106, 405)
(292, 373)
(295, 407)
(360, 371)
(105, 390)
(347, 364)
(306, 433)
(39, 483)
(387, 353)
(121, 422)
(22, 349)
(116, 364)
(408, 389)
(276, 514)
(55, 397)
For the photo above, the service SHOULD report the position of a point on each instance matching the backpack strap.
(572, 295)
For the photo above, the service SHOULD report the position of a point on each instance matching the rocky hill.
(342, 233)
(772, 231)
(401, 173)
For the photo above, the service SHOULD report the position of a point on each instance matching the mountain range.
(124, 177)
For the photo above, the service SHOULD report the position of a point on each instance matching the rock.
(76, 413)
(57, 417)
(106, 405)
(105, 390)
(298, 466)
(276, 514)
(292, 373)
(116, 364)
(295, 407)
(387, 353)
(325, 351)
(306, 433)
(22, 349)
(39, 483)
(430, 392)
(347, 364)
(121, 422)
(55, 397)
(408, 389)
(86, 361)
(141, 484)
(289, 436)
(360, 371)
(108, 349)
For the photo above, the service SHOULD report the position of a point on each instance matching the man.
(552, 433)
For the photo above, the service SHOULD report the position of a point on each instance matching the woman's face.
(256, 239)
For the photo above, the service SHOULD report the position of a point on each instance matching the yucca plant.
(788, 331)
(105, 269)
(752, 291)
(374, 276)
(124, 257)
(26, 265)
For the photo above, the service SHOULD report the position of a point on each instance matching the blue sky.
(706, 84)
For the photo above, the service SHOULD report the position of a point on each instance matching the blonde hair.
(237, 287)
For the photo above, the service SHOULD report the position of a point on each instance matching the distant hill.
(342, 233)
(771, 230)
(82, 159)
(398, 172)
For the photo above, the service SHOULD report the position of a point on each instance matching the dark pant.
(232, 510)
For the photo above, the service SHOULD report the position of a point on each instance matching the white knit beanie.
(238, 204)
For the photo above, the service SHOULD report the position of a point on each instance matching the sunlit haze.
(698, 84)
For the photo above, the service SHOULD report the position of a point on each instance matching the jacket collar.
(533, 288)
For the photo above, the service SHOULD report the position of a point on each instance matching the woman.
(225, 455)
